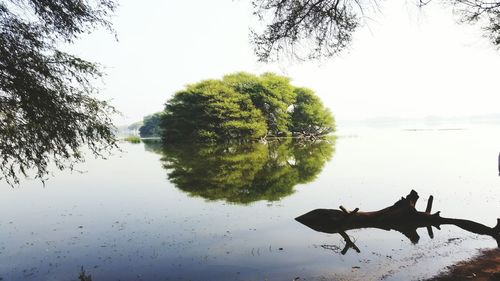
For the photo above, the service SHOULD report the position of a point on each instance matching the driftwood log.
(402, 217)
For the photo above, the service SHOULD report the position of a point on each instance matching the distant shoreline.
(439, 129)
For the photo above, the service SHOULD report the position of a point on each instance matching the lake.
(227, 212)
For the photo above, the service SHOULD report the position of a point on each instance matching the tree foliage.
(485, 13)
(309, 115)
(312, 29)
(211, 111)
(304, 28)
(47, 104)
(242, 173)
(242, 106)
(135, 126)
(270, 93)
(151, 125)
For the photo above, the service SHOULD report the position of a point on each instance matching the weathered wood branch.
(347, 212)
(429, 204)
(402, 217)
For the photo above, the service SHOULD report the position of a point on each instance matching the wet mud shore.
(483, 267)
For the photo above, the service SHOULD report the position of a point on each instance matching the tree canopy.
(243, 106)
(151, 125)
(312, 29)
(309, 115)
(242, 173)
(47, 104)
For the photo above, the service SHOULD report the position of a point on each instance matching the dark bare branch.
(402, 217)
(308, 29)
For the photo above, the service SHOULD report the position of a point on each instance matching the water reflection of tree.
(244, 173)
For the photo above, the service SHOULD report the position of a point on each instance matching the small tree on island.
(243, 106)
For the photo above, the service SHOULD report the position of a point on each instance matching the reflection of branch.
(348, 243)
(402, 217)
(82, 276)
(333, 248)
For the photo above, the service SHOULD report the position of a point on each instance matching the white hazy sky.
(405, 62)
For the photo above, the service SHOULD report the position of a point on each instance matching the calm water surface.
(227, 213)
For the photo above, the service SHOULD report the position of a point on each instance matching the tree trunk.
(402, 217)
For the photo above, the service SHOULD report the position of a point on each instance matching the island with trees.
(240, 107)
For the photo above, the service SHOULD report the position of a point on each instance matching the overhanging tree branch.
(48, 109)
(313, 29)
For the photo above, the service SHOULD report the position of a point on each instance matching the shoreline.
(483, 267)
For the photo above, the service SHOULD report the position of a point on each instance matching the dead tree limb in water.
(402, 217)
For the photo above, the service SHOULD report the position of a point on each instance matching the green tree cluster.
(151, 125)
(243, 106)
(242, 173)
(308, 116)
